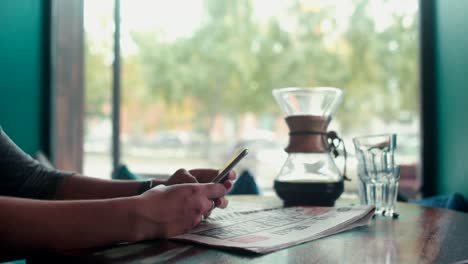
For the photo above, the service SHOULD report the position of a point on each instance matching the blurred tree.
(231, 63)
(98, 81)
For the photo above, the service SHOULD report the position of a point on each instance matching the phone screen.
(229, 165)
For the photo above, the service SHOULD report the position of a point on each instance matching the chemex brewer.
(309, 174)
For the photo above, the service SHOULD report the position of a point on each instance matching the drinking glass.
(377, 171)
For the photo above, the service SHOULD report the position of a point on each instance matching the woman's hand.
(166, 211)
(202, 176)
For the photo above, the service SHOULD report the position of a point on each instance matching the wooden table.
(419, 235)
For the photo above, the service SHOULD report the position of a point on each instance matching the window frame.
(67, 84)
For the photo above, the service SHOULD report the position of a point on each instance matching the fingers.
(212, 197)
(213, 190)
(221, 202)
(207, 175)
(198, 198)
(201, 208)
(207, 197)
(232, 175)
(204, 175)
(182, 176)
(212, 206)
(228, 185)
(207, 206)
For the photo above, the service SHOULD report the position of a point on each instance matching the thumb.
(182, 176)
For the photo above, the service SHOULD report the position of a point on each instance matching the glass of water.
(377, 171)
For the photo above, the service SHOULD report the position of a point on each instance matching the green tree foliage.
(98, 81)
(231, 63)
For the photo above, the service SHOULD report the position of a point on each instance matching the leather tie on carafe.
(308, 134)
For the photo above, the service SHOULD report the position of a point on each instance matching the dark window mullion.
(116, 88)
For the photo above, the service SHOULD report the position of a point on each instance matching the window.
(197, 78)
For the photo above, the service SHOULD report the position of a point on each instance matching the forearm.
(30, 225)
(82, 187)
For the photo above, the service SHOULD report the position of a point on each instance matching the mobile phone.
(229, 165)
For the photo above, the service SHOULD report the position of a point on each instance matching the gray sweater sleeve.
(22, 176)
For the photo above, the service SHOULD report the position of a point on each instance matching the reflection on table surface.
(419, 235)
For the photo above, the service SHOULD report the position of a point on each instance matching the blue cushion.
(123, 173)
(22, 261)
(245, 184)
(454, 201)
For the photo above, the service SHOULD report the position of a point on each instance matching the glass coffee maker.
(309, 175)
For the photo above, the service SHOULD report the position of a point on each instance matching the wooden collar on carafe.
(307, 134)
